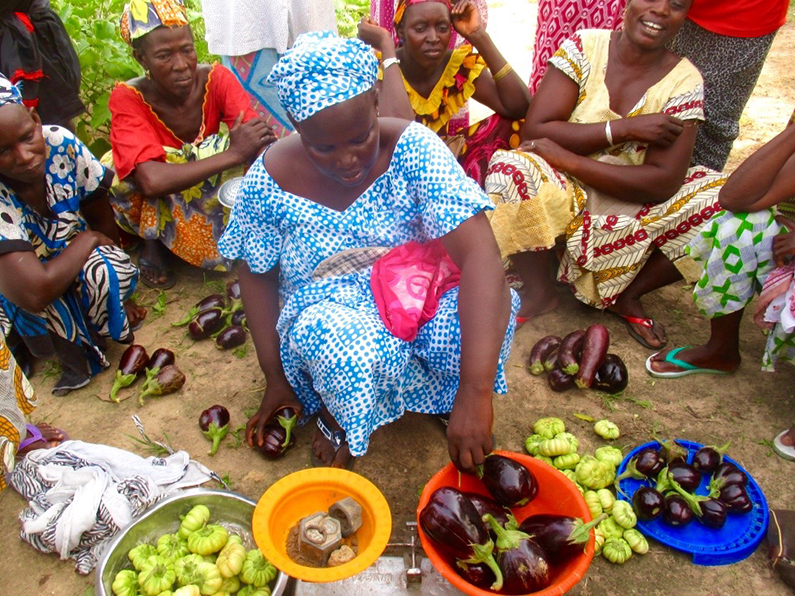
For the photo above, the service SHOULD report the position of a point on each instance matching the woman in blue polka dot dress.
(310, 218)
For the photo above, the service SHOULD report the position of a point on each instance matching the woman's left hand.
(376, 36)
(784, 244)
(466, 18)
(555, 155)
(469, 429)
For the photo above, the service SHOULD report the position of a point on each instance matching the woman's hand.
(93, 239)
(376, 36)
(248, 139)
(650, 129)
(555, 155)
(276, 395)
(469, 429)
(784, 244)
(466, 18)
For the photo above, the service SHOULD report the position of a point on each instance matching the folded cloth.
(81, 494)
(407, 284)
(777, 300)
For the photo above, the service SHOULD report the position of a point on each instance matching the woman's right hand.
(276, 395)
(248, 139)
(650, 129)
(93, 239)
(376, 36)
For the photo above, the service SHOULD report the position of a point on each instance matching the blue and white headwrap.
(322, 70)
(9, 93)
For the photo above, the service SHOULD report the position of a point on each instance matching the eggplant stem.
(120, 382)
(483, 553)
(287, 424)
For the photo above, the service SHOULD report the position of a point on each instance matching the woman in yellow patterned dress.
(604, 165)
(436, 82)
(18, 400)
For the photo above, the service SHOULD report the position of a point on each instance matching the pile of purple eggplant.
(579, 360)
(483, 542)
(159, 371)
(671, 495)
(220, 317)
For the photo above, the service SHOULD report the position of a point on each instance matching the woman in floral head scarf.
(168, 151)
(63, 279)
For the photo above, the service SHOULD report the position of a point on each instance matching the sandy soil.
(748, 408)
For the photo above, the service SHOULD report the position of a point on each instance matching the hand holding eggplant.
(214, 422)
(469, 429)
(132, 363)
(277, 436)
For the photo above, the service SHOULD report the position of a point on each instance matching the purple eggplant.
(214, 422)
(523, 562)
(277, 435)
(708, 458)
(612, 377)
(206, 323)
(594, 350)
(648, 503)
(231, 337)
(451, 521)
(541, 351)
(736, 499)
(713, 513)
(509, 482)
(726, 474)
(569, 352)
(239, 318)
(561, 537)
(160, 357)
(676, 511)
(551, 362)
(486, 505)
(646, 464)
(477, 574)
(168, 380)
(686, 475)
(133, 362)
(233, 290)
(211, 301)
(559, 381)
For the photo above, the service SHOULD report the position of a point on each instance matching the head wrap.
(142, 16)
(402, 5)
(9, 93)
(322, 70)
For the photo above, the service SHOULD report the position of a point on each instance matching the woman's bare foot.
(135, 314)
(330, 451)
(50, 437)
(700, 356)
(538, 302)
(641, 327)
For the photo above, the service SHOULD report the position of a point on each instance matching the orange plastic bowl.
(557, 494)
(302, 493)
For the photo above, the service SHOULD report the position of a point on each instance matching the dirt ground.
(748, 408)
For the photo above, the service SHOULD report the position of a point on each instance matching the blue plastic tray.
(735, 541)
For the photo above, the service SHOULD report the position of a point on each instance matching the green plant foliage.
(349, 13)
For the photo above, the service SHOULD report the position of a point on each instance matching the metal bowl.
(229, 509)
(227, 192)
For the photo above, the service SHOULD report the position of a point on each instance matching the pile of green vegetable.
(593, 475)
(199, 559)
(579, 359)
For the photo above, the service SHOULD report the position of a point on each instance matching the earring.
(146, 73)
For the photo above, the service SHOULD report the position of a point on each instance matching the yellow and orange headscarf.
(402, 5)
(142, 16)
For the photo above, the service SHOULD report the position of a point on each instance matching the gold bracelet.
(502, 73)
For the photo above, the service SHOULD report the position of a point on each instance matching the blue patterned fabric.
(94, 304)
(322, 70)
(9, 93)
(334, 348)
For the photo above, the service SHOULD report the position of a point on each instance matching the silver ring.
(532, 145)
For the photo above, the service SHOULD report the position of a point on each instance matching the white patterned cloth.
(335, 350)
(322, 70)
(239, 27)
(9, 93)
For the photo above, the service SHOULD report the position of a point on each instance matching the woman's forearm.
(260, 294)
(155, 178)
(33, 285)
(582, 139)
(766, 178)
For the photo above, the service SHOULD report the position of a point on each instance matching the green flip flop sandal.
(687, 368)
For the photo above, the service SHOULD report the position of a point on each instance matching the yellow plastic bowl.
(303, 493)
